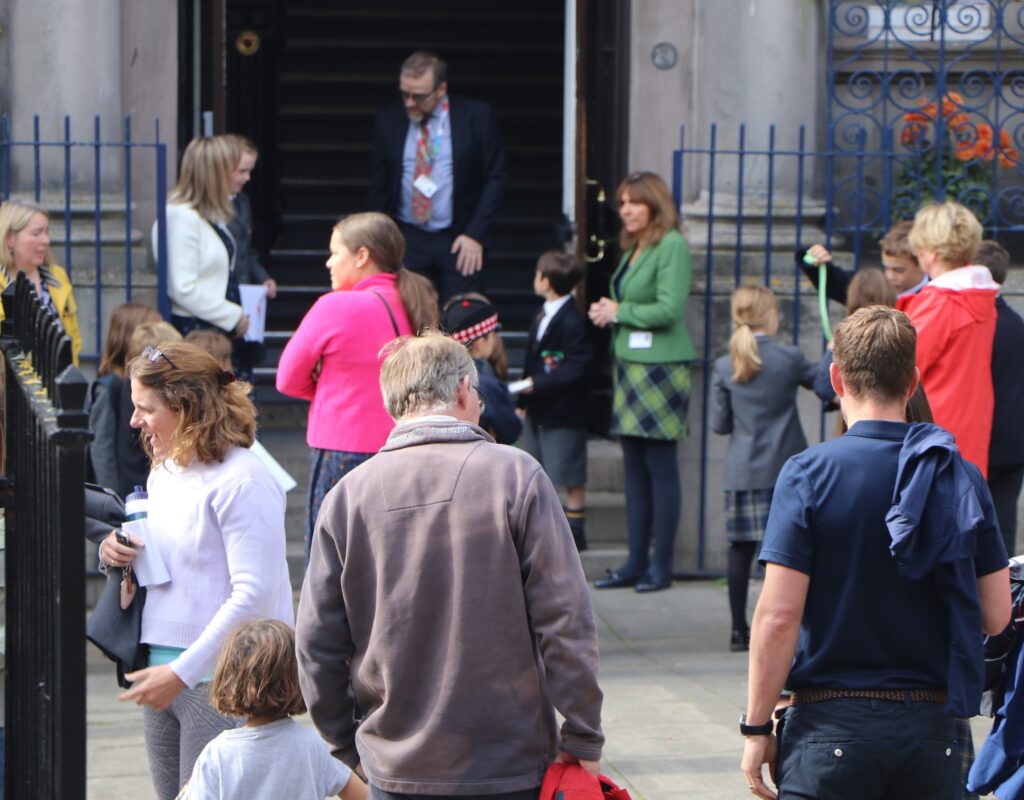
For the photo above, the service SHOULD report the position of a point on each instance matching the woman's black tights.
(741, 555)
(653, 505)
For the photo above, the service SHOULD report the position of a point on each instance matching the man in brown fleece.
(445, 603)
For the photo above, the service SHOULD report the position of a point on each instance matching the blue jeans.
(864, 749)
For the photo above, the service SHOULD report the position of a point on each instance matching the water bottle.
(136, 505)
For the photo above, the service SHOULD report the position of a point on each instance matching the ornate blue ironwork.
(926, 101)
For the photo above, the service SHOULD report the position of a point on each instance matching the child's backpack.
(572, 782)
(999, 647)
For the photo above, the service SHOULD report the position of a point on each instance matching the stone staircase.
(606, 520)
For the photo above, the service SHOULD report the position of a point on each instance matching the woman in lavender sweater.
(216, 518)
(333, 360)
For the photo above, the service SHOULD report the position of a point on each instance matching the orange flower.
(973, 142)
(1008, 156)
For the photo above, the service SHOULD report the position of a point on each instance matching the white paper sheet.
(254, 303)
(284, 480)
(148, 565)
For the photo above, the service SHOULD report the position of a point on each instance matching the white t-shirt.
(268, 762)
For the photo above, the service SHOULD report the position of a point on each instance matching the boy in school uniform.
(898, 261)
(555, 398)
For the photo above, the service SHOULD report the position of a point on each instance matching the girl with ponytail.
(333, 360)
(754, 400)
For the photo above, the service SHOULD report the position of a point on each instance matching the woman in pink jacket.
(333, 358)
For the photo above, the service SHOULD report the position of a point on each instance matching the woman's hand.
(241, 327)
(603, 312)
(155, 687)
(114, 554)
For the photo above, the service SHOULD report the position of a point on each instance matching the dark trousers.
(860, 749)
(653, 505)
(430, 253)
(1004, 482)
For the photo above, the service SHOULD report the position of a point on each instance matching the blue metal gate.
(935, 92)
(924, 101)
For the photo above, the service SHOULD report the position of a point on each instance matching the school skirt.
(651, 400)
(746, 514)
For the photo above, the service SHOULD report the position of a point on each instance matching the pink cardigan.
(343, 332)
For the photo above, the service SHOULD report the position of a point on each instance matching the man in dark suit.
(438, 168)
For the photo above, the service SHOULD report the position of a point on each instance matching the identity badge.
(641, 340)
(425, 186)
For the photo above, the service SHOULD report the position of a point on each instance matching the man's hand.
(271, 286)
(758, 751)
(241, 327)
(593, 767)
(155, 687)
(820, 254)
(469, 254)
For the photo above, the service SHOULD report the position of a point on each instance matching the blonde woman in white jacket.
(201, 251)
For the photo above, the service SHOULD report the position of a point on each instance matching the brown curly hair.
(257, 674)
(214, 410)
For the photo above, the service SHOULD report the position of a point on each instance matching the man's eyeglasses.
(153, 354)
(417, 97)
(480, 397)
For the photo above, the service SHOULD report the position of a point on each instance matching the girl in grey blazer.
(754, 400)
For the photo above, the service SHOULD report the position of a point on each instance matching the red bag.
(572, 782)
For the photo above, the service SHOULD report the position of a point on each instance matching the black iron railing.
(46, 432)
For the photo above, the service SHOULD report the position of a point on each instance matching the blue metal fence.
(129, 151)
(933, 93)
(925, 101)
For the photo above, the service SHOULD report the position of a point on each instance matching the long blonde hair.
(204, 182)
(382, 238)
(15, 215)
(752, 307)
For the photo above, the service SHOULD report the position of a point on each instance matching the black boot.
(577, 524)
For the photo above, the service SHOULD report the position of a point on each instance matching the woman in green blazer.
(652, 350)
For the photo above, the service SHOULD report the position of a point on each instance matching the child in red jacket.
(955, 318)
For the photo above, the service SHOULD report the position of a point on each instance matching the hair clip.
(227, 377)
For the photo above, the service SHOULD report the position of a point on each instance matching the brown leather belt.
(807, 696)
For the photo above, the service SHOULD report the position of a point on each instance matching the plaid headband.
(474, 332)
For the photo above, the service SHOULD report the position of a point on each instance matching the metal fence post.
(45, 539)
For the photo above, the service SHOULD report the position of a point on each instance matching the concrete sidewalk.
(673, 695)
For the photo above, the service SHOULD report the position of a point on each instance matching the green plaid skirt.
(651, 400)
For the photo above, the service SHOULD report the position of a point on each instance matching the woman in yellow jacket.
(25, 234)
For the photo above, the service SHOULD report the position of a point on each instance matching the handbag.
(116, 630)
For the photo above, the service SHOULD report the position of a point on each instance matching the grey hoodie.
(446, 602)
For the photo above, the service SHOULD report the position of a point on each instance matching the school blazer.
(760, 414)
(558, 363)
(197, 269)
(652, 299)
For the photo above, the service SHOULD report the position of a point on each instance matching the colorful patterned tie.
(420, 202)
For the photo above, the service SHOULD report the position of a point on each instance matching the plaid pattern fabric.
(651, 400)
(966, 739)
(746, 514)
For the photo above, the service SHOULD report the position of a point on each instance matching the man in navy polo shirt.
(884, 564)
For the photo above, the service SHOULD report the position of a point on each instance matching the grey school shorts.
(561, 451)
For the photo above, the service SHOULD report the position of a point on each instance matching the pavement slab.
(672, 696)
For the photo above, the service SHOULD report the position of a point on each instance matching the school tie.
(420, 202)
